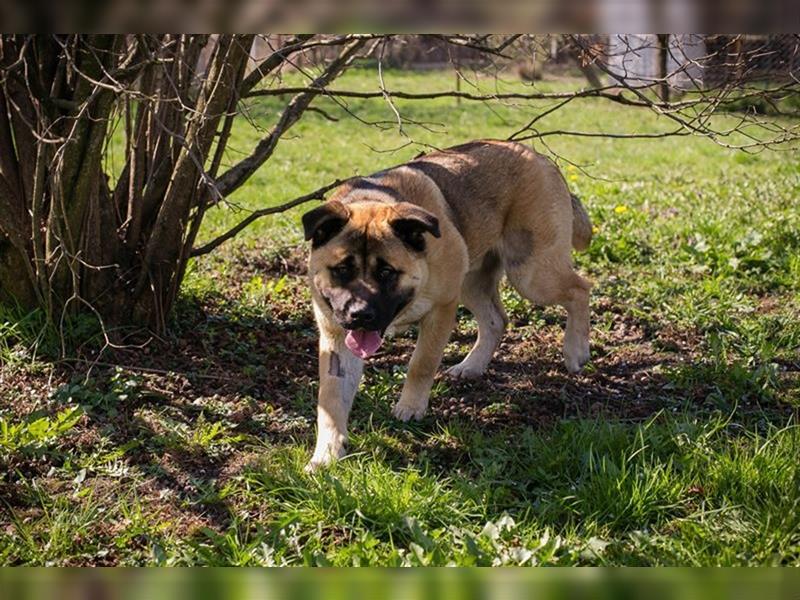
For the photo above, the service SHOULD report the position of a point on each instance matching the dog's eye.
(385, 273)
(341, 271)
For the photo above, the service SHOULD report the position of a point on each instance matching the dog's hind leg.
(549, 278)
(480, 295)
(576, 336)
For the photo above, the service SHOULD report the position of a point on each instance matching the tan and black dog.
(408, 244)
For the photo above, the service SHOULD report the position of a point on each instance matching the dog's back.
(499, 190)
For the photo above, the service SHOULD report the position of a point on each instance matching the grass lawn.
(678, 445)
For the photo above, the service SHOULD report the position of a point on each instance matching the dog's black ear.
(324, 222)
(412, 222)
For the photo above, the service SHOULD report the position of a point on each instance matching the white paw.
(314, 465)
(465, 370)
(405, 412)
(323, 458)
(576, 358)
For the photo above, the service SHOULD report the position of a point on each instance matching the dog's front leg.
(339, 375)
(434, 332)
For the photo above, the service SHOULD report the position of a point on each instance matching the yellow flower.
(595, 229)
(573, 178)
(620, 208)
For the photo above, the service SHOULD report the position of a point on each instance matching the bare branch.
(238, 174)
(273, 61)
(317, 194)
(609, 92)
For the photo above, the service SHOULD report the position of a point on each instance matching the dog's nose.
(363, 317)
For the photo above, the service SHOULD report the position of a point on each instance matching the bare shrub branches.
(82, 227)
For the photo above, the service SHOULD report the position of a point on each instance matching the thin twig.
(317, 194)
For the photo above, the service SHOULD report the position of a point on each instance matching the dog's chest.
(413, 313)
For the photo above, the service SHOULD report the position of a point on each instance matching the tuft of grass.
(36, 432)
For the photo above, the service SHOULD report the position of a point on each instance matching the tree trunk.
(15, 289)
(663, 71)
(114, 252)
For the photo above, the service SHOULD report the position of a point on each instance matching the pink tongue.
(363, 343)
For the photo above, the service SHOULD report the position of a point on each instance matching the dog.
(409, 244)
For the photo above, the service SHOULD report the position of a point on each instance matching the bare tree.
(78, 233)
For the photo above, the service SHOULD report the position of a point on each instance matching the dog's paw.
(405, 412)
(464, 370)
(313, 466)
(325, 455)
(577, 358)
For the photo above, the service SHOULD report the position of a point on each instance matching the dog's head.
(367, 262)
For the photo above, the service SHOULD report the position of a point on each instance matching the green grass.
(678, 446)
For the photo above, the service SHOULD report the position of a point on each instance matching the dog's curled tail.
(581, 225)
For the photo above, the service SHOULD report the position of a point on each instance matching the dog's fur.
(409, 244)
